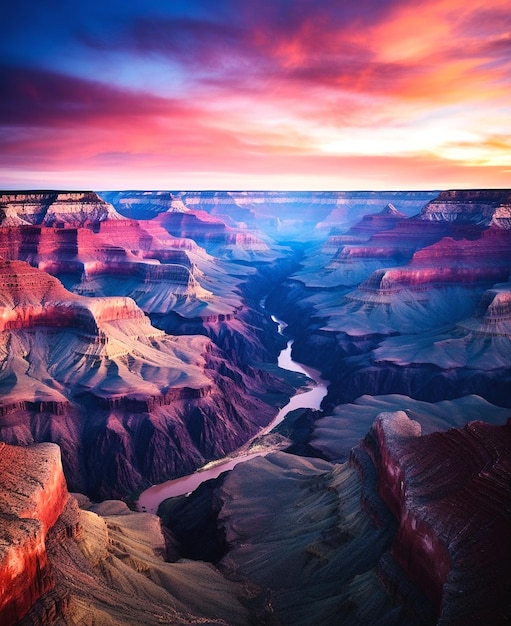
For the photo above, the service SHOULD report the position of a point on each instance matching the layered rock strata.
(55, 208)
(451, 494)
(128, 403)
(484, 207)
(100, 564)
(33, 495)
(303, 216)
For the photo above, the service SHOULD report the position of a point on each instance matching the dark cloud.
(252, 38)
(37, 97)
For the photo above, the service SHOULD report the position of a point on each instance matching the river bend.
(305, 397)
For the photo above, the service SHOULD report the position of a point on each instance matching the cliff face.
(128, 403)
(214, 234)
(74, 208)
(103, 564)
(484, 207)
(450, 493)
(412, 530)
(32, 497)
(117, 250)
(484, 260)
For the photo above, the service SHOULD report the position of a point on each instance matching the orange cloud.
(310, 92)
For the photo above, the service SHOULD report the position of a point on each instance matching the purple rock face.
(450, 493)
(137, 335)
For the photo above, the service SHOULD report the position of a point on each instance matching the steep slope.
(128, 403)
(103, 564)
(451, 494)
(295, 528)
(412, 530)
(56, 208)
(33, 496)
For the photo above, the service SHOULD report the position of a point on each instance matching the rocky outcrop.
(31, 298)
(128, 403)
(451, 494)
(484, 207)
(33, 495)
(103, 563)
(55, 208)
(484, 260)
(214, 234)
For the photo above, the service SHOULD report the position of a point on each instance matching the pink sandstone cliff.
(451, 494)
(32, 497)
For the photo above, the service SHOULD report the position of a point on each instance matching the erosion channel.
(308, 396)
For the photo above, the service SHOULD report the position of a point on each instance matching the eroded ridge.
(451, 494)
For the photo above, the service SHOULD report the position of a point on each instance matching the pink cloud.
(270, 88)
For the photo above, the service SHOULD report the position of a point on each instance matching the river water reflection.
(309, 396)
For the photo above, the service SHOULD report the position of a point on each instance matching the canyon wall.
(32, 498)
(144, 366)
(402, 310)
(411, 530)
(285, 216)
(450, 492)
(100, 563)
(394, 535)
(55, 208)
(139, 339)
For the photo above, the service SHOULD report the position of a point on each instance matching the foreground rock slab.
(102, 564)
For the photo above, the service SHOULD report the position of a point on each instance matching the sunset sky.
(273, 94)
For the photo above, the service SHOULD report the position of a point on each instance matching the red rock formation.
(113, 248)
(451, 494)
(33, 495)
(55, 208)
(387, 239)
(208, 230)
(30, 297)
(449, 261)
(483, 207)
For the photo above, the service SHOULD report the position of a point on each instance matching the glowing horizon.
(278, 95)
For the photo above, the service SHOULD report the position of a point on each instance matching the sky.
(273, 94)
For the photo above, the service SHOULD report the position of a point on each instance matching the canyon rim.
(138, 345)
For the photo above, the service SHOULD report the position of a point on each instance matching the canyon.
(137, 335)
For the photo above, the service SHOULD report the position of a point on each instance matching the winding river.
(309, 396)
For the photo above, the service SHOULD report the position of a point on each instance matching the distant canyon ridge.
(136, 333)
